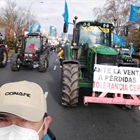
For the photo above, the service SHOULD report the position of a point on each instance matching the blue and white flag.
(31, 28)
(122, 42)
(38, 29)
(66, 14)
(134, 13)
(116, 38)
(119, 40)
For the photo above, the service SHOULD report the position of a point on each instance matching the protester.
(23, 112)
(61, 55)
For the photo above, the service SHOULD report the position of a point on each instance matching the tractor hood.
(30, 49)
(101, 49)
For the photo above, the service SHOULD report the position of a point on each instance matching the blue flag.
(122, 42)
(31, 28)
(116, 38)
(66, 14)
(131, 48)
(119, 40)
(134, 13)
(38, 28)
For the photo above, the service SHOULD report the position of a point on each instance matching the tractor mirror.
(65, 28)
(112, 28)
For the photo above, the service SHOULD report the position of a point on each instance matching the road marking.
(46, 94)
(35, 65)
(54, 68)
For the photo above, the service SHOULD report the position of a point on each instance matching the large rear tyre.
(3, 57)
(15, 62)
(70, 88)
(43, 63)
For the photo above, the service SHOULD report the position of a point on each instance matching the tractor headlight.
(118, 50)
(74, 44)
(104, 25)
(107, 25)
(71, 47)
(30, 55)
(129, 60)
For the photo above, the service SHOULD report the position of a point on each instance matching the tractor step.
(85, 79)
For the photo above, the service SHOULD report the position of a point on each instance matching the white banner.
(114, 79)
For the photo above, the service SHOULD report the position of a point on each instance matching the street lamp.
(30, 11)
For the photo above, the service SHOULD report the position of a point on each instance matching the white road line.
(46, 94)
(54, 68)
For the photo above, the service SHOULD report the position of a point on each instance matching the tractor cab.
(92, 34)
(34, 39)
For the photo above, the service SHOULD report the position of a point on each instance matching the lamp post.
(30, 11)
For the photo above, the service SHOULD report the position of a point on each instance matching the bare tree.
(119, 9)
(16, 17)
(115, 8)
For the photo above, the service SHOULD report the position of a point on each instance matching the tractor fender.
(72, 61)
(66, 52)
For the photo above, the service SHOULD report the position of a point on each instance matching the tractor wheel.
(3, 57)
(46, 52)
(43, 63)
(70, 88)
(15, 62)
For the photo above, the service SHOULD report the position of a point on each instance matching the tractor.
(125, 58)
(30, 51)
(90, 61)
(3, 54)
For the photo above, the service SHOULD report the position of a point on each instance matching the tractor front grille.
(109, 59)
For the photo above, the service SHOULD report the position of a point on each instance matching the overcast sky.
(50, 11)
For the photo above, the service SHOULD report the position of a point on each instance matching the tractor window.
(33, 40)
(93, 35)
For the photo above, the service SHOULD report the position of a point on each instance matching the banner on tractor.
(114, 79)
(134, 13)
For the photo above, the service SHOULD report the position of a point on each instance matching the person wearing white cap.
(23, 112)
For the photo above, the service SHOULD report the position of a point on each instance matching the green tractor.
(125, 58)
(90, 48)
(91, 44)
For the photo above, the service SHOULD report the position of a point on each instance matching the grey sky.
(50, 11)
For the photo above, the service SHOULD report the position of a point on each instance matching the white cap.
(24, 99)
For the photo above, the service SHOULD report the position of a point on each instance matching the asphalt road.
(92, 122)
